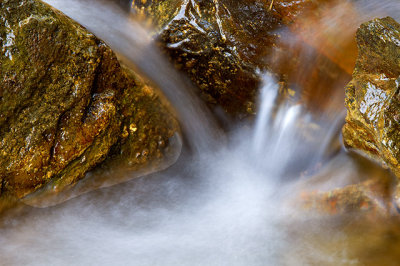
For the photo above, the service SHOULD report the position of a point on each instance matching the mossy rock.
(66, 103)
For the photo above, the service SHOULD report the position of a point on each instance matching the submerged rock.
(221, 44)
(372, 97)
(66, 104)
(366, 197)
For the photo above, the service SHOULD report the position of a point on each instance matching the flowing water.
(229, 200)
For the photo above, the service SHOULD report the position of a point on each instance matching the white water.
(220, 208)
(227, 206)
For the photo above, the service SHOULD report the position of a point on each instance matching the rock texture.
(222, 44)
(373, 96)
(66, 104)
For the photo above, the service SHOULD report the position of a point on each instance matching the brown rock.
(372, 97)
(372, 100)
(66, 104)
(221, 44)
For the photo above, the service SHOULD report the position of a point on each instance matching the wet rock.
(222, 44)
(366, 197)
(361, 187)
(66, 103)
(372, 97)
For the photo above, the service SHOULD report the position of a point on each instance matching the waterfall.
(230, 202)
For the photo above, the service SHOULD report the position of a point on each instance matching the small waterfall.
(133, 43)
(275, 128)
(225, 204)
(269, 93)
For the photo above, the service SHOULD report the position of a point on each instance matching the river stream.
(231, 199)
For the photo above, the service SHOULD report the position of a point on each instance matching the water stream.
(227, 202)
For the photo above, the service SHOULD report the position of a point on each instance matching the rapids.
(229, 200)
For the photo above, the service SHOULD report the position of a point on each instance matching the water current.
(230, 199)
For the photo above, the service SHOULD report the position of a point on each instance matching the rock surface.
(66, 104)
(373, 96)
(222, 44)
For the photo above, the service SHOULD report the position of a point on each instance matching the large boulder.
(222, 45)
(373, 96)
(66, 103)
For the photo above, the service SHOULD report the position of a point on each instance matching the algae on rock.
(66, 104)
